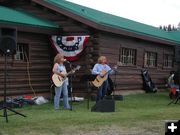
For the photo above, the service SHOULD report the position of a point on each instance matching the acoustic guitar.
(101, 78)
(59, 80)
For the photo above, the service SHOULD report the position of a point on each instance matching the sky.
(151, 12)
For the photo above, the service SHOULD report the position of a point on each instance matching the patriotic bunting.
(70, 46)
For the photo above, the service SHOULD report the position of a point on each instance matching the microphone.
(65, 60)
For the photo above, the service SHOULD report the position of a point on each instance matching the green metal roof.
(114, 21)
(8, 15)
(175, 34)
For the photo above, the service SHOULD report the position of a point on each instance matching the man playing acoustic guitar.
(60, 70)
(102, 70)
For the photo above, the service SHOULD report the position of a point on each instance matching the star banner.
(70, 46)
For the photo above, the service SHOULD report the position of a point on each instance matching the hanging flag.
(70, 46)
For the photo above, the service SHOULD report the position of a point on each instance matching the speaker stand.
(5, 108)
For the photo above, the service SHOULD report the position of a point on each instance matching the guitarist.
(101, 68)
(60, 70)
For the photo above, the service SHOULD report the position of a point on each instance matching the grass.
(137, 114)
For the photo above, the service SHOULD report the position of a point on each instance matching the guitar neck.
(107, 72)
(73, 70)
(70, 72)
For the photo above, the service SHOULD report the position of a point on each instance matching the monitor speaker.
(177, 54)
(105, 105)
(8, 41)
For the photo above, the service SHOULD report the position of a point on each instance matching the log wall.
(41, 56)
(39, 67)
(129, 77)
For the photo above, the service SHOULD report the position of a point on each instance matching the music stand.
(178, 98)
(5, 107)
(115, 83)
(175, 101)
(87, 78)
(177, 82)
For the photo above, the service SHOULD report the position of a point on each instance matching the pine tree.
(169, 27)
(178, 27)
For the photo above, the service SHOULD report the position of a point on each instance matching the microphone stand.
(115, 76)
(71, 85)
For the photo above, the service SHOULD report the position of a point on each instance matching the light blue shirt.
(99, 67)
(62, 68)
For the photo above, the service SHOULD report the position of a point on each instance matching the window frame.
(132, 57)
(150, 60)
(24, 61)
(172, 61)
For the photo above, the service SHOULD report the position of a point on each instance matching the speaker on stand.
(7, 47)
(8, 38)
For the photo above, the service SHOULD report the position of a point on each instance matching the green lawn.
(137, 114)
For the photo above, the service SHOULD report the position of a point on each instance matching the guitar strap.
(61, 68)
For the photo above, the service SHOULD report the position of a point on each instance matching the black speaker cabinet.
(177, 53)
(106, 105)
(8, 40)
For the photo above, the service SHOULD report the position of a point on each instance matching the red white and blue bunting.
(70, 46)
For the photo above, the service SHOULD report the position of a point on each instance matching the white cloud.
(152, 12)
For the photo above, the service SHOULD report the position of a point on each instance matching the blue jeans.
(102, 91)
(58, 91)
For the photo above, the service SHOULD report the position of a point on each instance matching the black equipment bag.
(148, 85)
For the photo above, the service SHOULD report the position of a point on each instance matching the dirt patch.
(115, 130)
(128, 92)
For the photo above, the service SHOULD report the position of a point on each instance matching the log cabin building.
(134, 44)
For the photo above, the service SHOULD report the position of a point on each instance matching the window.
(128, 56)
(150, 59)
(22, 53)
(168, 60)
